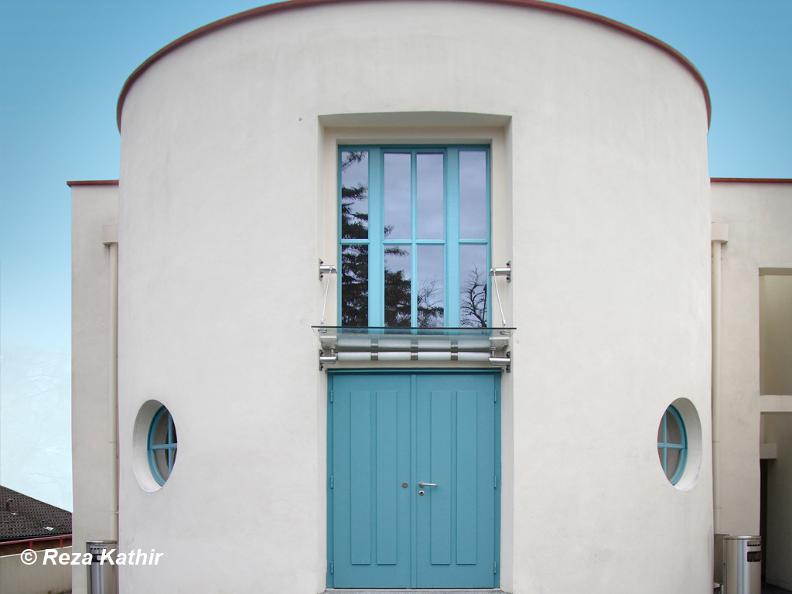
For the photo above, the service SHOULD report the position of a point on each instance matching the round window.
(161, 445)
(672, 444)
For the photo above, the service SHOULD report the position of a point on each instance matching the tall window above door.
(414, 236)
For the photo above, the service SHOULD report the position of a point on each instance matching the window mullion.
(488, 198)
(376, 262)
(452, 237)
(413, 232)
(170, 441)
(340, 236)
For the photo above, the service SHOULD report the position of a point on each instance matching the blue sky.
(62, 66)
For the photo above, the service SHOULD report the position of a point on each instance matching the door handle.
(427, 484)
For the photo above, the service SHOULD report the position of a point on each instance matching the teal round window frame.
(169, 445)
(671, 414)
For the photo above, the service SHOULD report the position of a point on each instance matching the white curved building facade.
(594, 140)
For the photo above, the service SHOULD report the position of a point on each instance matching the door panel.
(361, 492)
(370, 517)
(455, 525)
(467, 477)
(388, 430)
(387, 472)
(437, 427)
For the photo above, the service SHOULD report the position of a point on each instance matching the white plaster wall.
(759, 218)
(607, 169)
(611, 250)
(93, 438)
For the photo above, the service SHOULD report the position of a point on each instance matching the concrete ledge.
(775, 403)
(416, 591)
(768, 451)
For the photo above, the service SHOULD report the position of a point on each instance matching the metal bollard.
(102, 578)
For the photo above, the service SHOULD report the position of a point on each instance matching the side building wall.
(759, 216)
(94, 448)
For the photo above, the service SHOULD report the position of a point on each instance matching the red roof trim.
(292, 4)
(92, 182)
(752, 180)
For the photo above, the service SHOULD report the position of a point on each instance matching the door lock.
(421, 492)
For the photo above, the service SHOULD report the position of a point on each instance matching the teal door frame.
(413, 577)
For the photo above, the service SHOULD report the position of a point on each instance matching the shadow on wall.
(778, 494)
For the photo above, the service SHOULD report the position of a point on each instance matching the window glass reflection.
(672, 464)
(430, 219)
(409, 200)
(473, 286)
(354, 285)
(674, 433)
(473, 195)
(398, 288)
(354, 194)
(163, 465)
(431, 286)
(397, 182)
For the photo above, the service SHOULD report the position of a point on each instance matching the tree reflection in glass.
(354, 225)
(473, 286)
(354, 195)
(431, 286)
(398, 289)
(354, 285)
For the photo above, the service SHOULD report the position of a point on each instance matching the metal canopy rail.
(488, 346)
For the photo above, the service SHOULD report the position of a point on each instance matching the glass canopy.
(488, 346)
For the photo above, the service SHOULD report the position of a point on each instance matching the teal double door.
(413, 485)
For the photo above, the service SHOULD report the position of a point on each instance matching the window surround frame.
(451, 232)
